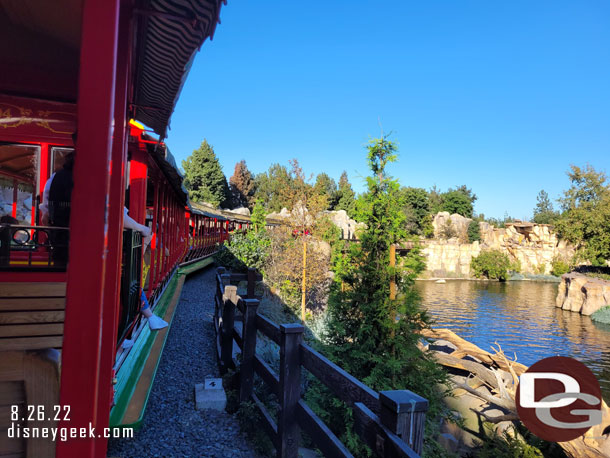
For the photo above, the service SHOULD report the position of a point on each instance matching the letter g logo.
(559, 399)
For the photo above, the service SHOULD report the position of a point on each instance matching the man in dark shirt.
(60, 196)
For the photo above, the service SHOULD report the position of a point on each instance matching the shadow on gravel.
(171, 426)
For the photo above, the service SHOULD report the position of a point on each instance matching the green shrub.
(447, 230)
(515, 266)
(474, 232)
(245, 249)
(559, 267)
(492, 264)
(602, 315)
(541, 269)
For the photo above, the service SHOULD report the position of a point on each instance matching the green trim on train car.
(131, 369)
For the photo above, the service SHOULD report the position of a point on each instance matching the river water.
(521, 316)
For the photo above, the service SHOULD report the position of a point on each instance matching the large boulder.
(580, 293)
(458, 223)
(348, 226)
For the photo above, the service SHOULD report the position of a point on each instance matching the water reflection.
(522, 318)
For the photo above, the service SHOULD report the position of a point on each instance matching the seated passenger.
(60, 197)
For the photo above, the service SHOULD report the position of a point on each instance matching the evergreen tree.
(346, 197)
(474, 231)
(436, 200)
(204, 178)
(544, 212)
(326, 186)
(241, 185)
(258, 218)
(416, 206)
(370, 336)
(273, 188)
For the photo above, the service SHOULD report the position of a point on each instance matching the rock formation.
(533, 245)
(347, 225)
(580, 293)
(340, 218)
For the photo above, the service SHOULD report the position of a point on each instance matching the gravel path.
(172, 427)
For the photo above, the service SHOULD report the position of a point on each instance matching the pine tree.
(204, 178)
(241, 185)
(346, 197)
(371, 336)
(326, 186)
(544, 212)
(258, 217)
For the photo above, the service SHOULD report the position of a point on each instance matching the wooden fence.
(391, 423)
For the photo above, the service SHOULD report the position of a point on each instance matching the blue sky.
(501, 96)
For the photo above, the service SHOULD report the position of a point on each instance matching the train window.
(19, 181)
(58, 157)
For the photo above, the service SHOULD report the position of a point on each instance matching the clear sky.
(500, 96)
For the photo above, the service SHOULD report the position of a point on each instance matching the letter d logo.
(559, 399)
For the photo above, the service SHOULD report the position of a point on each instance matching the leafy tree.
(372, 337)
(204, 178)
(298, 263)
(492, 264)
(455, 201)
(416, 206)
(474, 232)
(588, 186)
(544, 212)
(467, 192)
(346, 197)
(241, 185)
(326, 186)
(243, 250)
(272, 187)
(586, 217)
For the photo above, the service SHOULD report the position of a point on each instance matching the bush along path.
(171, 426)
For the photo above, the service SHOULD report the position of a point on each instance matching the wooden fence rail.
(391, 423)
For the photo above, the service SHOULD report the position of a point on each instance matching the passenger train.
(96, 81)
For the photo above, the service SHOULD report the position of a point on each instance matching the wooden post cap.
(291, 328)
(403, 401)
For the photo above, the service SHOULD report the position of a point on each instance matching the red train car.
(73, 344)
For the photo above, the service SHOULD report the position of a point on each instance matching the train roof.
(170, 33)
(206, 209)
(44, 56)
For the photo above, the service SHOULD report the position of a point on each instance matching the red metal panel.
(110, 312)
(138, 171)
(152, 284)
(80, 384)
(35, 120)
(33, 276)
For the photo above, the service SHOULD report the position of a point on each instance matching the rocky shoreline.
(581, 293)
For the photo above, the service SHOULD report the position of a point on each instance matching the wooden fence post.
(228, 314)
(404, 413)
(246, 370)
(290, 390)
(251, 282)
